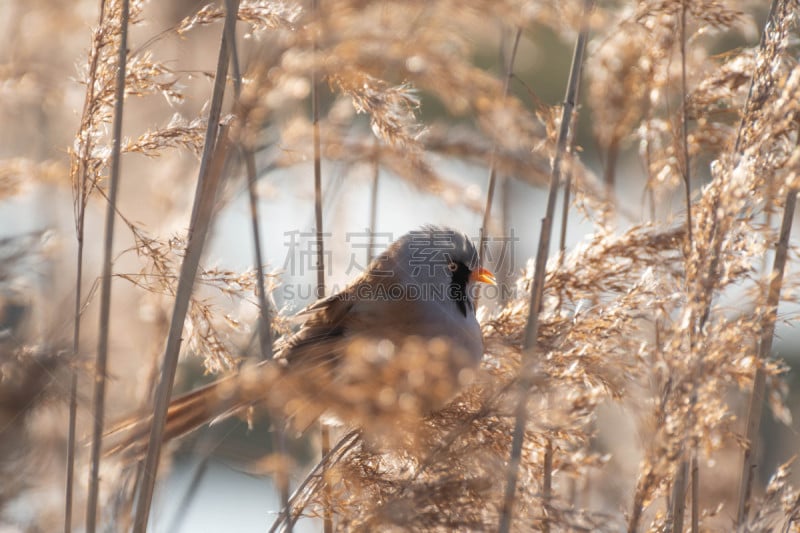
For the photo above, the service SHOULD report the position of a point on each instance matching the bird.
(419, 292)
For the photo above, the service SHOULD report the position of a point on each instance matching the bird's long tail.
(215, 401)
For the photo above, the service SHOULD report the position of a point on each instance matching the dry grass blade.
(202, 214)
(105, 291)
(537, 288)
(264, 321)
(213, 123)
(298, 500)
(325, 436)
(373, 202)
(764, 351)
(79, 197)
(73, 415)
(265, 313)
(679, 488)
(487, 210)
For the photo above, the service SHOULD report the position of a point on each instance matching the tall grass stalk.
(588, 6)
(80, 196)
(101, 363)
(492, 180)
(757, 395)
(373, 198)
(756, 405)
(537, 288)
(207, 186)
(679, 496)
(189, 266)
(325, 435)
(265, 312)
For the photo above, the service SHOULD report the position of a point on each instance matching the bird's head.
(439, 262)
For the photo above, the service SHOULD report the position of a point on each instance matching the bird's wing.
(321, 338)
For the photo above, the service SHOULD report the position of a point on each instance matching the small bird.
(418, 293)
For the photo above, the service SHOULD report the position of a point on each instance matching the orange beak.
(482, 275)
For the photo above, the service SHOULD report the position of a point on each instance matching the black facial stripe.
(458, 288)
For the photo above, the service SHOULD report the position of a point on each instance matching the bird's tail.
(215, 401)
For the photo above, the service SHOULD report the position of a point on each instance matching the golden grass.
(654, 330)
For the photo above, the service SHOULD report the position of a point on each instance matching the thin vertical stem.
(208, 183)
(547, 484)
(679, 489)
(562, 242)
(101, 363)
(588, 5)
(695, 477)
(324, 430)
(687, 176)
(678, 498)
(73, 414)
(317, 168)
(505, 216)
(506, 184)
(547, 491)
(265, 312)
(264, 316)
(537, 287)
(373, 200)
(773, 8)
(325, 436)
(76, 332)
(189, 266)
(212, 127)
(610, 168)
(487, 210)
(765, 348)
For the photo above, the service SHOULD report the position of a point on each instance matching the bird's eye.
(452, 267)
